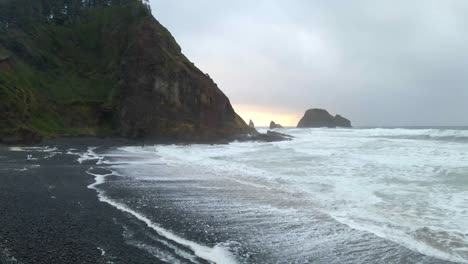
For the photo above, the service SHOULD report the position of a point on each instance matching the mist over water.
(336, 195)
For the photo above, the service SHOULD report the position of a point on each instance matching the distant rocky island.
(103, 68)
(273, 125)
(321, 118)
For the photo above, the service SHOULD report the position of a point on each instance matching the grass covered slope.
(62, 79)
(111, 69)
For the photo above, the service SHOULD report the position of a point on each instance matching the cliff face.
(321, 118)
(113, 71)
(166, 97)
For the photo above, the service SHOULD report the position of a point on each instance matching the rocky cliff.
(321, 118)
(165, 96)
(105, 70)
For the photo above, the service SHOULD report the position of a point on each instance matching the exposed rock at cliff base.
(321, 118)
(21, 136)
(269, 136)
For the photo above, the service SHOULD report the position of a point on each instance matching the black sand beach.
(48, 215)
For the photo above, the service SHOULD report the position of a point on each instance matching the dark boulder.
(272, 136)
(273, 125)
(269, 136)
(277, 134)
(321, 118)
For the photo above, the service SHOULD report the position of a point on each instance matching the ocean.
(365, 195)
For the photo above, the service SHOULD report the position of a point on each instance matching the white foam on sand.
(103, 252)
(89, 155)
(400, 238)
(216, 254)
(36, 149)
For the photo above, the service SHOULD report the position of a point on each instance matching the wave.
(420, 134)
(392, 188)
(34, 149)
(381, 190)
(428, 244)
(439, 134)
(216, 254)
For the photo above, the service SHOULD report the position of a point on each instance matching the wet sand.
(48, 215)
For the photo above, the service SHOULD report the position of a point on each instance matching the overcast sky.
(393, 62)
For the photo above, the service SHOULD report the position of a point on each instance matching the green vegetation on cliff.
(102, 67)
(59, 65)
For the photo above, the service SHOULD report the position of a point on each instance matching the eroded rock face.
(273, 125)
(251, 124)
(165, 97)
(321, 118)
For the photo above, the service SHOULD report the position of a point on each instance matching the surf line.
(216, 254)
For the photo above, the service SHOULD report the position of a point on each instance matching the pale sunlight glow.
(262, 116)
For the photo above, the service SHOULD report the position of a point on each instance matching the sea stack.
(342, 122)
(251, 124)
(321, 118)
(273, 125)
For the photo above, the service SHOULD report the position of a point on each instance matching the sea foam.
(389, 182)
(216, 254)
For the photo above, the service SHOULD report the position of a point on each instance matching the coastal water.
(335, 195)
(373, 195)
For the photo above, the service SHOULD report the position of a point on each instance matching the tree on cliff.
(25, 13)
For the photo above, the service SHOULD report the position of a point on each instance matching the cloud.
(376, 62)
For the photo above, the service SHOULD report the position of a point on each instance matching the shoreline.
(58, 214)
(54, 213)
(212, 254)
(252, 135)
(50, 216)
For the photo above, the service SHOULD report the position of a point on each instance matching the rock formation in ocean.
(269, 136)
(273, 125)
(105, 68)
(251, 124)
(321, 118)
(342, 122)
